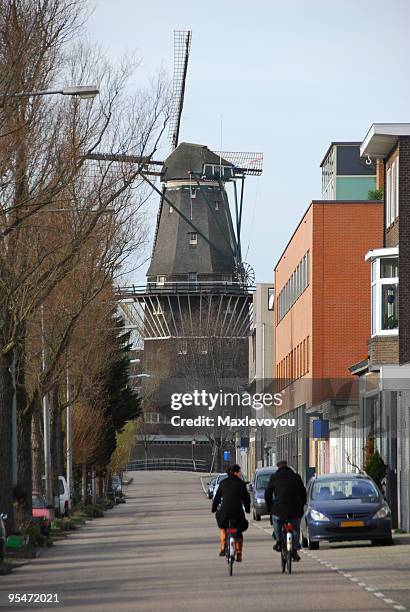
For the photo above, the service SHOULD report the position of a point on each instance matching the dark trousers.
(277, 524)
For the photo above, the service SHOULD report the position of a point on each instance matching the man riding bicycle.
(235, 497)
(285, 498)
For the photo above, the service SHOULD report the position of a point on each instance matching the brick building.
(321, 326)
(385, 374)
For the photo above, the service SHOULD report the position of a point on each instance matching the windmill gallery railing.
(184, 287)
(186, 310)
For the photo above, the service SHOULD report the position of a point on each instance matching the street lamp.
(85, 92)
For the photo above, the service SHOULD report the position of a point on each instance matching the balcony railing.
(176, 465)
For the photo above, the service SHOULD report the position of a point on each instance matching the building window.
(294, 287)
(192, 277)
(385, 296)
(214, 171)
(182, 347)
(392, 193)
(271, 298)
(171, 210)
(193, 238)
(161, 281)
(193, 192)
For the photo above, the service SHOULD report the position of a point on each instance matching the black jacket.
(234, 495)
(288, 492)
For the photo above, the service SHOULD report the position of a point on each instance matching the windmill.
(197, 282)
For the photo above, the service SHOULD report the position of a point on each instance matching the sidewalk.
(382, 570)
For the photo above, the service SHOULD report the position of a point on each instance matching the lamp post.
(84, 92)
(193, 456)
(69, 440)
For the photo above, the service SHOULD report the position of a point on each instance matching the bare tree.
(53, 201)
(216, 365)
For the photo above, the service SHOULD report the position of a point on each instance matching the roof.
(382, 137)
(359, 367)
(188, 158)
(339, 143)
(268, 468)
(341, 475)
(384, 252)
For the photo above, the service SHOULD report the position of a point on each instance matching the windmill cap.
(190, 158)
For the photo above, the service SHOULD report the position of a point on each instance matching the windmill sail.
(182, 47)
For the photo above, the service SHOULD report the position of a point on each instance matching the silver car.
(219, 479)
(257, 489)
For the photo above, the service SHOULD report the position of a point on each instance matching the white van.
(62, 500)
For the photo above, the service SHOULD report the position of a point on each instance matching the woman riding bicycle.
(235, 497)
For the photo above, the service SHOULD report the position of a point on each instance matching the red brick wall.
(342, 234)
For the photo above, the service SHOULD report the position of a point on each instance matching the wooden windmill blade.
(182, 47)
(243, 162)
(148, 166)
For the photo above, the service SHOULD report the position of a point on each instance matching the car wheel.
(310, 544)
(385, 542)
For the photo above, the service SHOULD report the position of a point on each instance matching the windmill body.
(181, 252)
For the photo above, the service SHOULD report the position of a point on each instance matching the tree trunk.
(6, 461)
(24, 418)
(84, 483)
(37, 448)
(55, 441)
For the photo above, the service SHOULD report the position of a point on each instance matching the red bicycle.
(230, 547)
(287, 547)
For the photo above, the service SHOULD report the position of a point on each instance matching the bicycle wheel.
(283, 560)
(289, 561)
(231, 560)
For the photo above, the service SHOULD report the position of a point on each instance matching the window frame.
(376, 297)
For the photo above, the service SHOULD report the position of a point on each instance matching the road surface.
(159, 553)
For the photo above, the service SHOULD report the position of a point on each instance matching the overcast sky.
(287, 76)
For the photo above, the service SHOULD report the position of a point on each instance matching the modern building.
(261, 449)
(345, 174)
(385, 374)
(321, 326)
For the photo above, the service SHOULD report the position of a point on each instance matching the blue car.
(345, 507)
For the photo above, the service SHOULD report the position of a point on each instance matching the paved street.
(158, 552)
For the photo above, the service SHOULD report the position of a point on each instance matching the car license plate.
(352, 524)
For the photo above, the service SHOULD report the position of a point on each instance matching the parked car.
(62, 500)
(115, 490)
(3, 517)
(41, 512)
(211, 486)
(218, 481)
(345, 507)
(257, 489)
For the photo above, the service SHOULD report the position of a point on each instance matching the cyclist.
(233, 494)
(285, 498)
